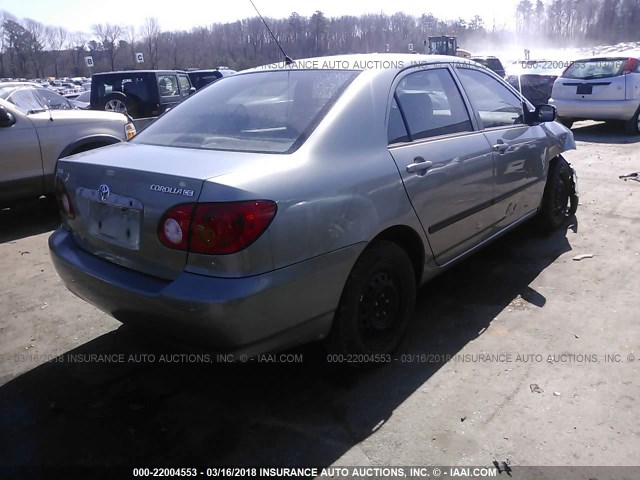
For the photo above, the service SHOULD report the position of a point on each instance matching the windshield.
(270, 112)
(595, 68)
(24, 99)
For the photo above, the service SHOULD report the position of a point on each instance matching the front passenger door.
(446, 166)
(519, 150)
(21, 174)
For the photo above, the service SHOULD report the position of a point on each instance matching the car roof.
(363, 61)
(138, 71)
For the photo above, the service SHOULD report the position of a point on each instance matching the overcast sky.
(80, 15)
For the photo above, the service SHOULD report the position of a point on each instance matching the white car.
(606, 88)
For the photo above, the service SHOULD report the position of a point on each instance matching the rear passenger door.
(445, 164)
(519, 150)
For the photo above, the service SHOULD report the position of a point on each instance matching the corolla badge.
(103, 192)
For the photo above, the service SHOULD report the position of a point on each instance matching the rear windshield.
(272, 112)
(595, 68)
(136, 85)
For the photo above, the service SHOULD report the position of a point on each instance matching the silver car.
(288, 204)
(37, 127)
(600, 89)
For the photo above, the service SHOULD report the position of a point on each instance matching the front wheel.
(560, 198)
(376, 304)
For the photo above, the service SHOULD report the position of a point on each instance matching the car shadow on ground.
(108, 412)
(603, 132)
(28, 218)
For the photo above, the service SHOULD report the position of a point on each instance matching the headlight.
(130, 130)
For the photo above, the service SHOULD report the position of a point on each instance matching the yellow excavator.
(445, 45)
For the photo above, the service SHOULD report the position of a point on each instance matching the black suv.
(202, 78)
(492, 63)
(139, 93)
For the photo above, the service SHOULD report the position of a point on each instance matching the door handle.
(420, 165)
(501, 147)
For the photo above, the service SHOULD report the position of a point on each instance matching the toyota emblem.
(104, 191)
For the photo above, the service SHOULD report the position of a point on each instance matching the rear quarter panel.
(60, 136)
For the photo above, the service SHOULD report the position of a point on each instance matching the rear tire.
(120, 103)
(377, 303)
(632, 126)
(560, 200)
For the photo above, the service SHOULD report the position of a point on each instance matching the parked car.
(33, 136)
(285, 204)
(535, 78)
(82, 101)
(606, 88)
(202, 78)
(493, 63)
(48, 98)
(139, 93)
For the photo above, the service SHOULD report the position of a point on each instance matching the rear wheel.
(632, 126)
(119, 102)
(560, 199)
(376, 304)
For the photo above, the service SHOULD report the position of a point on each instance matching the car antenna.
(287, 58)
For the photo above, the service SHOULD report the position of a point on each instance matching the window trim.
(511, 90)
(475, 124)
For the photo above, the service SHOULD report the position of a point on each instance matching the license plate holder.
(115, 224)
(584, 90)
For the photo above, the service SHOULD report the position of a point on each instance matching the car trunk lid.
(119, 195)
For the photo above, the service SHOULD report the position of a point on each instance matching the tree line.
(31, 49)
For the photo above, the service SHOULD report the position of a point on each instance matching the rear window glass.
(271, 112)
(595, 68)
(131, 84)
(201, 79)
(185, 86)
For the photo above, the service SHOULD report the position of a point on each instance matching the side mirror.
(6, 118)
(546, 113)
(192, 90)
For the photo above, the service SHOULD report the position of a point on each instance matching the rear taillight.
(64, 202)
(173, 231)
(216, 228)
(630, 65)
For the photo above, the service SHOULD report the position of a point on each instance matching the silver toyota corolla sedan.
(293, 203)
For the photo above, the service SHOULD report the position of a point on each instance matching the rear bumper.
(252, 315)
(596, 109)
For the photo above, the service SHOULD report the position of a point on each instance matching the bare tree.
(56, 39)
(37, 39)
(151, 38)
(108, 36)
(77, 44)
(131, 37)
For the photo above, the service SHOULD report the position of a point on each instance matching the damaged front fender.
(560, 138)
